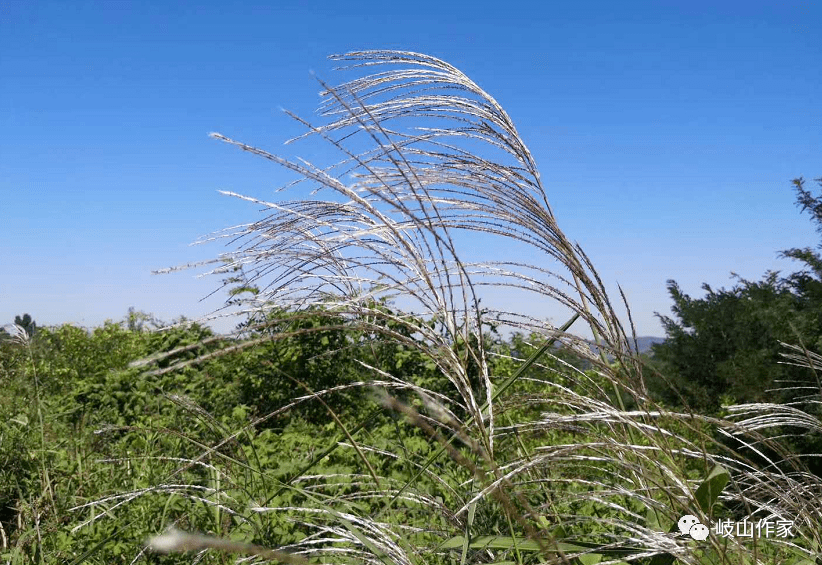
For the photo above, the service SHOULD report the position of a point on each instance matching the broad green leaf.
(708, 492)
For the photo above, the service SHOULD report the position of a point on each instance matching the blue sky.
(666, 133)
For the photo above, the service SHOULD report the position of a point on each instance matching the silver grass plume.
(386, 224)
(383, 222)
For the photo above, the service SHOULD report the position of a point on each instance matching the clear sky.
(666, 132)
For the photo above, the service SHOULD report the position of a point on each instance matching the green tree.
(27, 323)
(808, 281)
(725, 346)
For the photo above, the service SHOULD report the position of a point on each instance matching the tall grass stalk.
(35, 507)
(430, 167)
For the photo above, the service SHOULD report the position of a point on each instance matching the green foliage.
(317, 351)
(314, 354)
(61, 387)
(726, 346)
(111, 430)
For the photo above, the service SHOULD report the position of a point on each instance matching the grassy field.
(370, 410)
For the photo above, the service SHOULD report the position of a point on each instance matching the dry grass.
(443, 161)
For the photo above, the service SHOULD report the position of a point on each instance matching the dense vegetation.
(80, 428)
(98, 455)
(728, 347)
(725, 348)
(338, 425)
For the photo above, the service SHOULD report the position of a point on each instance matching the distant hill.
(645, 342)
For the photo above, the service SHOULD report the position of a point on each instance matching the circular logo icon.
(687, 522)
(699, 532)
